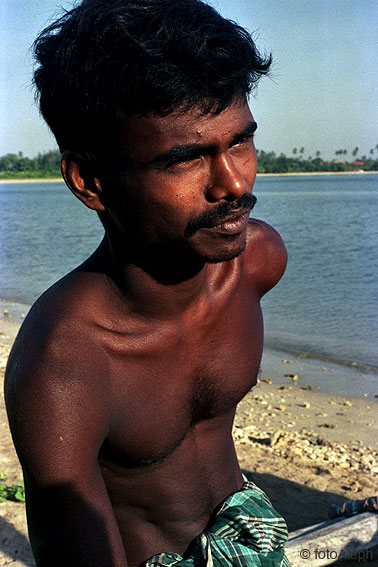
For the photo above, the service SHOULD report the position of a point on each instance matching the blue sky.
(322, 94)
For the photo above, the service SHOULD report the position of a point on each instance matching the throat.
(166, 263)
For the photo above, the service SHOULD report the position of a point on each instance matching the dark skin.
(123, 382)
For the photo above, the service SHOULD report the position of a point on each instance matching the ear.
(80, 177)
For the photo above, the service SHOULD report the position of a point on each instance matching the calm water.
(326, 304)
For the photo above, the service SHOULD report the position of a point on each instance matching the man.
(123, 382)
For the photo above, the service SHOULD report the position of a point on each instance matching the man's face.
(183, 182)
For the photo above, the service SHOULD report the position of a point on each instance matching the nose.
(226, 180)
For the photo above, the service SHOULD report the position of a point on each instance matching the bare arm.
(59, 412)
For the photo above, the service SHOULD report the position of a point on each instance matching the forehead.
(147, 136)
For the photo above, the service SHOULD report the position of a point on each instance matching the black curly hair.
(108, 59)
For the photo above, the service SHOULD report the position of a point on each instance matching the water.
(45, 232)
(325, 305)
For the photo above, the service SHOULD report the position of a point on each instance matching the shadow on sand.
(14, 545)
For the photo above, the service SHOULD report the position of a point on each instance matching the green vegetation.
(47, 165)
(14, 492)
(17, 166)
(269, 162)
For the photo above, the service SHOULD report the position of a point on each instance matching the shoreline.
(320, 357)
(316, 375)
(285, 379)
(290, 174)
(279, 365)
(29, 180)
(312, 173)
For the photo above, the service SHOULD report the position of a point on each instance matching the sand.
(31, 180)
(306, 448)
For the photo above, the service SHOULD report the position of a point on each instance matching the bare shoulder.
(59, 406)
(57, 322)
(60, 331)
(56, 391)
(265, 257)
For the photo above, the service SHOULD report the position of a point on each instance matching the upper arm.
(59, 418)
(265, 258)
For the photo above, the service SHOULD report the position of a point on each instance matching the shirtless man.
(123, 382)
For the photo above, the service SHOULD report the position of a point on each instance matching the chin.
(226, 255)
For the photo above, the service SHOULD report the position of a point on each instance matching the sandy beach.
(39, 180)
(306, 448)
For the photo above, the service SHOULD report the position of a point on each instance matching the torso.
(172, 386)
(170, 464)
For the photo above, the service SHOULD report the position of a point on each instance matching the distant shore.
(311, 173)
(28, 180)
(291, 174)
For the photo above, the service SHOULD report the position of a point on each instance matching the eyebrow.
(192, 151)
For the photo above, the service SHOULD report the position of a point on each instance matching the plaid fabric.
(353, 507)
(245, 531)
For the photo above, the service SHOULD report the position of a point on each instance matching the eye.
(243, 143)
(181, 164)
(246, 139)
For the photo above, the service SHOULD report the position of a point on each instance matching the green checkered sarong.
(245, 531)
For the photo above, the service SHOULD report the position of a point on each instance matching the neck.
(155, 284)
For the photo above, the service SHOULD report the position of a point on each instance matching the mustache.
(216, 216)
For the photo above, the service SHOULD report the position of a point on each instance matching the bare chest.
(183, 376)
